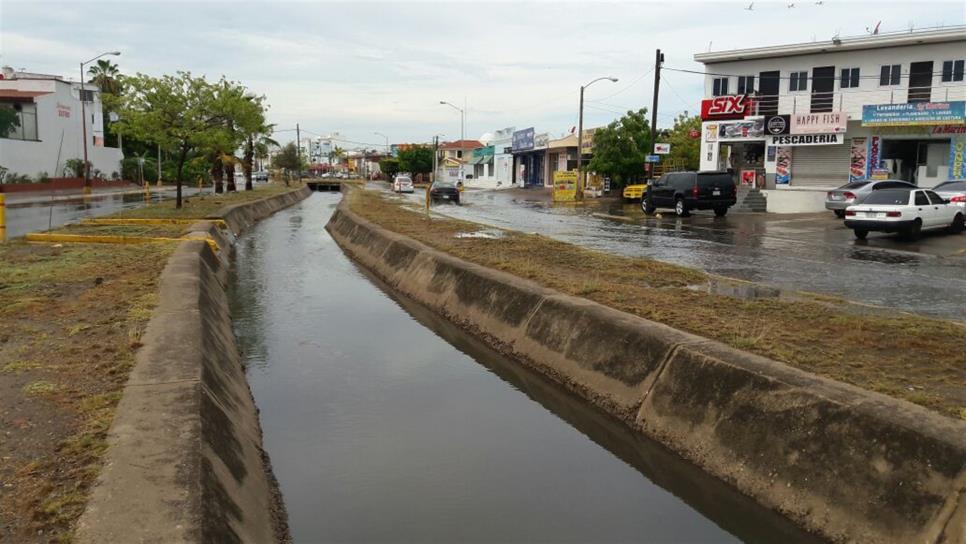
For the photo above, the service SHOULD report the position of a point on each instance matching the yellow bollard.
(3, 217)
(199, 184)
(427, 199)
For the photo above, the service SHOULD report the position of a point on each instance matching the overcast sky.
(361, 67)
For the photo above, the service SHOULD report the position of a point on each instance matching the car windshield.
(854, 185)
(951, 186)
(445, 185)
(708, 180)
(404, 180)
(895, 197)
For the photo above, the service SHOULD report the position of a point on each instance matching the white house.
(48, 109)
(798, 119)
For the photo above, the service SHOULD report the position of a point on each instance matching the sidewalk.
(43, 197)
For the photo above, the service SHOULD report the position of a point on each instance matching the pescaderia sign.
(807, 139)
(914, 114)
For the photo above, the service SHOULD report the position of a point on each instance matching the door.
(768, 84)
(823, 87)
(661, 190)
(942, 213)
(920, 81)
(924, 209)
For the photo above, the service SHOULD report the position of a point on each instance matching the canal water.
(385, 423)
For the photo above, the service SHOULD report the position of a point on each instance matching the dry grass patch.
(199, 207)
(914, 358)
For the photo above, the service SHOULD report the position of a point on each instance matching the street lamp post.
(87, 168)
(462, 136)
(435, 155)
(580, 136)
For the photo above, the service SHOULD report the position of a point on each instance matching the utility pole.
(298, 147)
(435, 158)
(658, 60)
(580, 146)
(159, 165)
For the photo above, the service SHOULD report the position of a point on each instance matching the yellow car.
(634, 192)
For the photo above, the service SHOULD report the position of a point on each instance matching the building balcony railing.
(851, 101)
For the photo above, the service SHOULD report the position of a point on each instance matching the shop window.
(798, 81)
(459, 154)
(720, 86)
(953, 70)
(890, 74)
(850, 78)
(746, 84)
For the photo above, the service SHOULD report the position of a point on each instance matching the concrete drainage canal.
(385, 423)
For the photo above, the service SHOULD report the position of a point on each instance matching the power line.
(629, 85)
(673, 90)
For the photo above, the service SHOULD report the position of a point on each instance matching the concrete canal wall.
(184, 460)
(844, 463)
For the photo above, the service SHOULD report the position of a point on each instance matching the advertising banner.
(957, 157)
(565, 186)
(819, 123)
(875, 154)
(652, 158)
(726, 107)
(523, 139)
(783, 166)
(662, 149)
(807, 139)
(541, 140)
(750, 129)
(859, 158)
(778, 125)
(711, 132)
(916, 113)
(587, 141)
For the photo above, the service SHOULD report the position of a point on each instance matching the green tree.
(390, 167)
(416, 160)
(170, 111)
(620, 148)
(289, 159)
(106, 76)
(685, 150)
(336, 155)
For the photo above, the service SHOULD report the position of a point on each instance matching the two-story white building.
(796, 120)
(48, 129)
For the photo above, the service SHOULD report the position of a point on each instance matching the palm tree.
(105, 75)
(256, 145)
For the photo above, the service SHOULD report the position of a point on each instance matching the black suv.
(686, 191)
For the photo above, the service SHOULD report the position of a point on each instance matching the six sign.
(725, 107)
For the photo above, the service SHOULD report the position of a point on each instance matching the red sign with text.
(725, 107)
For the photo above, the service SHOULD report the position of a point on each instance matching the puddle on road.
(490, 234)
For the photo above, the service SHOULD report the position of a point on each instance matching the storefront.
(737, 147)
(529, 158)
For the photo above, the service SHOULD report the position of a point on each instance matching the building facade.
(48, 131)
(796, 120)
(453, 158)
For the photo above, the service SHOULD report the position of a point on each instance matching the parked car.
(686, 191)
(402, 184)
(634, 192)
(855, 192)
(441, 191)
(905, 211)
(260, 176)
(954, 191)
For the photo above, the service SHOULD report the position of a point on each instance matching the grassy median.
(71, 320)
(909, 357)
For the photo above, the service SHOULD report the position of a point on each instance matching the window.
(892, 197)
(720, 86)
(890, 74)
(87, 95)
(798, 81)
(746, 84)
(850, 78)
(936, 199)
(921, 199)
(459, 153)
(26, 115)
(953, 70)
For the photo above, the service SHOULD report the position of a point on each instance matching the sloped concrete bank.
(844, 463)
(184, 460)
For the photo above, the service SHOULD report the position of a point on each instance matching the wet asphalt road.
(801, 252)
(39, 216)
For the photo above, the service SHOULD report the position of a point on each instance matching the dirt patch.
(908, 357)
(198, 207)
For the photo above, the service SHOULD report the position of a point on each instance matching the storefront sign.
(957, 157)
(808, 139)
(875, 153)
(565, 186)
(587, 141)
(523, 140)
(916, 113)
(819, 123)
(652, 158)
(541, 140)
(662, 149)
(859, 155)
(711, 132)
(783, 166)
(694, 134)
(778, 125)
(726, 107)
(949, 129)
(752, 129)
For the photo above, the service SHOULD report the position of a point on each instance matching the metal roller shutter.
(821, 165)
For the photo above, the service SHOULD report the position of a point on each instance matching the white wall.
(59, 132)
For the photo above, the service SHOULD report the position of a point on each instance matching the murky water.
(386, 424)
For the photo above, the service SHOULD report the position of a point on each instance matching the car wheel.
(720, 212)
(958, 224)
(839, 213)
(914, 231)
(861, 234)
(647, 207)
(680, 208)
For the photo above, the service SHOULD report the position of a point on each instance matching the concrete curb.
(184, 460)
(844, 463)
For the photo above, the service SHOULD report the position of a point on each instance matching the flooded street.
(810, 252)
(386, 424)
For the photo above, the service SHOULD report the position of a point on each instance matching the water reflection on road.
(385, 423)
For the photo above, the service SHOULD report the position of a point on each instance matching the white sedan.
(402, 184)
(905, 211)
